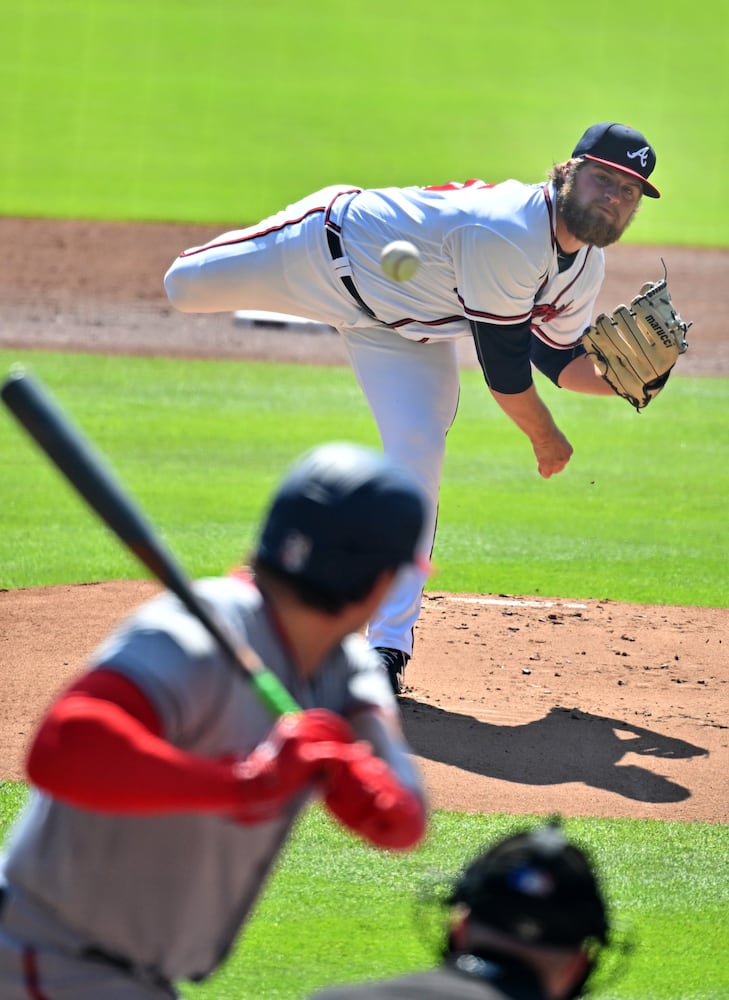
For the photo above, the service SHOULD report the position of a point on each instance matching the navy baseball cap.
(623, 148)
(537, 887)
(342, 515)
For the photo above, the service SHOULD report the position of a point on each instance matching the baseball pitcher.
(515, 266)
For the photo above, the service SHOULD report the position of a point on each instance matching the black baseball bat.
(84, 468)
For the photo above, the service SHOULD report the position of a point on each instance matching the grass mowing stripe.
(200, 444)
(633, 497)
(196, 443)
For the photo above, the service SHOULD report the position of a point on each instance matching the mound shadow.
(566, 745)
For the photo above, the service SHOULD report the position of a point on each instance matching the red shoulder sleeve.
(100, 747)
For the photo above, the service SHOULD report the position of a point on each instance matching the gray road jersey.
(172, 891)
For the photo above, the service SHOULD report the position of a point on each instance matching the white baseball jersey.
(170, 892)
(487, 254)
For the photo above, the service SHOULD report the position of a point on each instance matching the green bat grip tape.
(273, 694)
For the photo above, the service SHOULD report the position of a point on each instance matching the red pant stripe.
(30, 974)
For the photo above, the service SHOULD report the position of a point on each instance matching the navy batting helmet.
(342, 515)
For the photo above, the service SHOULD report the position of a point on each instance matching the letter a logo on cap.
(641, 153)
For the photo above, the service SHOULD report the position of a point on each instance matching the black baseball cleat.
(394, 661)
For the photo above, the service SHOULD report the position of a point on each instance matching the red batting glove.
(297, 752)
(366, 797)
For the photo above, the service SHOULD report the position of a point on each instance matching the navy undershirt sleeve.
(504, 355)
(550, 361)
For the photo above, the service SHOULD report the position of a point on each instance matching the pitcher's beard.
(586, 223)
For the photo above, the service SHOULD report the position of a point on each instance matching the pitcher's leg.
(412, 390)
(282, 264)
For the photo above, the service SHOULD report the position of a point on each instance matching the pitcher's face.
(598, 203)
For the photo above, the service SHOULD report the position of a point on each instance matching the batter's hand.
(300, 751)
(552, 454)
(365, 796)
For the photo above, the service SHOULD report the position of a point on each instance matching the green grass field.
(604, 526)
(326, 895)
(223, 112)
(335, 910)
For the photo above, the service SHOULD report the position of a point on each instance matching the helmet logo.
(295, 551)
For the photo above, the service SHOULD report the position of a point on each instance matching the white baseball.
(399, 260)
